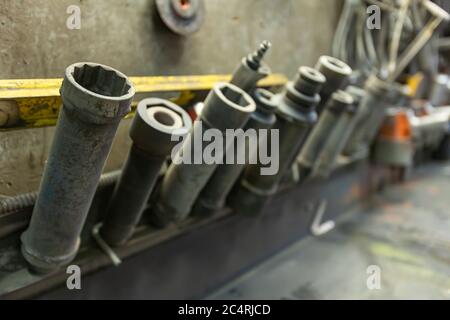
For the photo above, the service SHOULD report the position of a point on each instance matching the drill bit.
(254, 60)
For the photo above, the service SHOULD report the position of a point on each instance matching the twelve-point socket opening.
(102, 81)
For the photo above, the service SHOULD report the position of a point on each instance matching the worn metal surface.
(295, 117)
(95, 99)
(380, 95)
(325, 135)
(215, 193)
(33, 37)
(49, 88)
(337, 73)
(404, 232)
(154, 134)
(252, 69)
(339, 136)
(15, 212)
(226, 107)
(36, 102)
(193, 259)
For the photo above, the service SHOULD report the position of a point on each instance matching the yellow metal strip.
(35, 88)
(414, 82)
(39, 102)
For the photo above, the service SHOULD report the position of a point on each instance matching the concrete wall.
(35, 43)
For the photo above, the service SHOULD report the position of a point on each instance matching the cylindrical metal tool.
(379, 96)
(438, 16)
(317, 140)
(394, 144)
(440, 91)
(252, 69)
(358, 119)
(338, 137)
(337, 73)
(361, 119)
(213, 196)
(95, 99)
(295, 116)
(157, 127)
(226, 107)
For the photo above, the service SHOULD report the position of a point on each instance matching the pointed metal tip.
(264, 47)
(262, 50)
(266, 44)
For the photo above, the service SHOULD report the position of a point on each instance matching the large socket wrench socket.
(379, 96)
(95, 98)
(355, 113)
(337, 74)
(226, 107)
(157, 127)
(213, 197)
(327, 159)
(323, 131)
(295, 116)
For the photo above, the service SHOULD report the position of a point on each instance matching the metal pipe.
(252, 69)
(338, 137)
(295, 116)
(337, 73)
(157, 127)
(384, 95)
(397, 35)
(215, 193)
(379, 96)
(422, 38)
(95, 98)
(226, 107)
(361, 119)
(317, 141)
(358, 120)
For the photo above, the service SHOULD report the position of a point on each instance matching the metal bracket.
(104, 246)
(318, 228)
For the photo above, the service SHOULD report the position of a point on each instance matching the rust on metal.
(39, 100)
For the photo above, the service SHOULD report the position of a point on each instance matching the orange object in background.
(397, 126)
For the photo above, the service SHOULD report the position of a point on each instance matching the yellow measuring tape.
(39, 102)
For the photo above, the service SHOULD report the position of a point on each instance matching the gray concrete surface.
(35, 43)
(404, 233)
